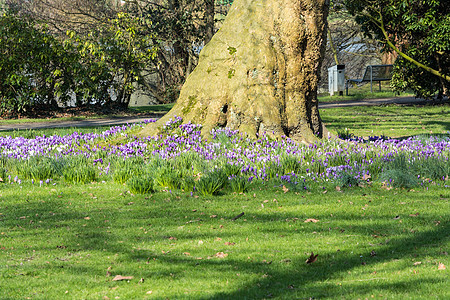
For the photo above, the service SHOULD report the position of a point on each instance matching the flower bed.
(180, 158)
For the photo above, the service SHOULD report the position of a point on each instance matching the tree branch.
(380, 24)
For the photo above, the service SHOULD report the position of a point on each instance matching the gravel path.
(125, 120)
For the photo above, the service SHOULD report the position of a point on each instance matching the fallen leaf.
(414, 215)
(417, 263)
(87, 218)
(221, 255)
(120, 278)
(213, 216)
(312, 258)
(366, 177)
(230, 244)
(149, 292)
(172, 238)
(218, 239)
(338, 188)
(311, 220)
(286, 260)
(285, 189)
(186, 253)
(441, 266)
(141, 280)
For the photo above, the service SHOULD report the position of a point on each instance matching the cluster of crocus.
(262, 158)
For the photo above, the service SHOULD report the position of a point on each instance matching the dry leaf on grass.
(108, 273)
(441, 266)
(120, 278)
(417, 263)
(366, 177)
(311, 220)
(220, 255)
(285, 189)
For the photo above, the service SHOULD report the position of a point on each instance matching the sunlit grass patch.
(60, 241)
(392, 120)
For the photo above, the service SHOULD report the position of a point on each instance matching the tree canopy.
(419, 32)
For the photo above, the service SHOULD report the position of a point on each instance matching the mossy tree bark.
(259, 72)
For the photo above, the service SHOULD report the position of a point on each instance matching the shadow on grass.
(288, 280)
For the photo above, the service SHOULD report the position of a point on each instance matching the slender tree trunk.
(444, 83)
(260, 71)
(209, 20)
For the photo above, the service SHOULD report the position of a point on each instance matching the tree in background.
(80, 16)
(40, 70)
(419, 32)
(347, 45)
(31, 64)
(179, 28)
(115, 56)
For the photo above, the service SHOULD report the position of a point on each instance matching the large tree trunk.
(259, 72)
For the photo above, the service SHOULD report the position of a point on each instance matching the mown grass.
(71, 241)
(390, 120)
(363, 92)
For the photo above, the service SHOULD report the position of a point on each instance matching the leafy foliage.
(141, 184)
(102, 67)
(420, 30)
(210, 183)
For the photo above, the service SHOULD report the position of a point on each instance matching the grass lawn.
(71, 241)
(60, 240)
(389, 120)
(363, 92)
